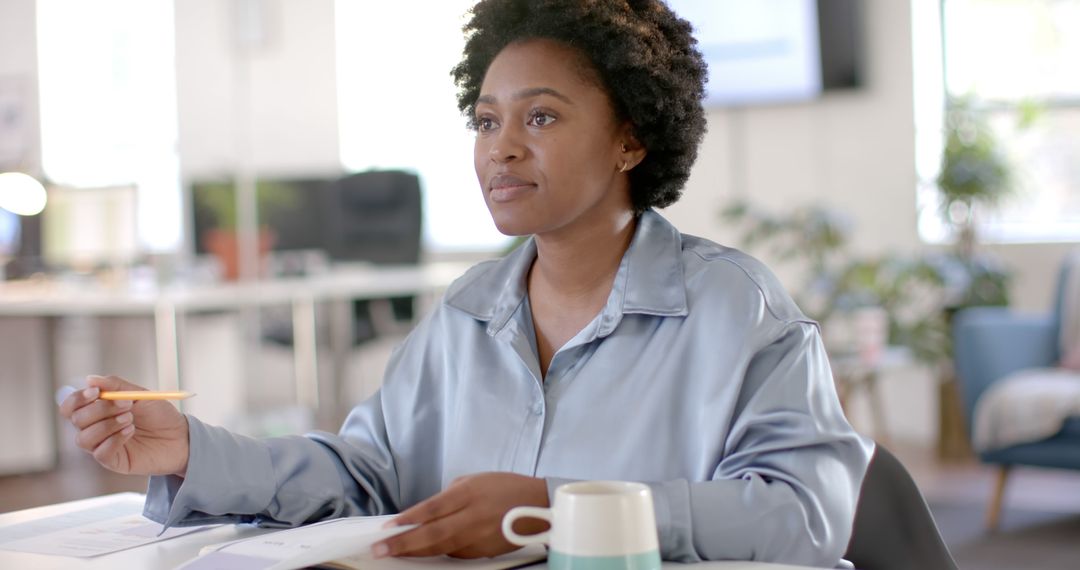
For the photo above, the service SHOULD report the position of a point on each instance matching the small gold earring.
(624, 166)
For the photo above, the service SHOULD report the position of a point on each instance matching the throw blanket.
(1026, 406)
(1031, 405)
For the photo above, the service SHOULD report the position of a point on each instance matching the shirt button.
(537, 409)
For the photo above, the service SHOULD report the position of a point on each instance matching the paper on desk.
(298, 547)
(522, 557)
(89, 532)
(346, 542)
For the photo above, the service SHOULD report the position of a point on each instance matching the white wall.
(276, 77)
(18, 62)
(851, 150)
(26, 434)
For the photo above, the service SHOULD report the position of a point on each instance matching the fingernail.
(123, 404)
(380, 550)
(124, 418)
(128, 430)
(390, 523)
(63, 392)
(91, 393)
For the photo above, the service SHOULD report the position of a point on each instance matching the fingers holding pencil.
(127, 428)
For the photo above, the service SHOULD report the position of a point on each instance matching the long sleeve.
(785, 490)
(283, 481)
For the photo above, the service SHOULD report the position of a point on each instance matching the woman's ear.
(631, 151)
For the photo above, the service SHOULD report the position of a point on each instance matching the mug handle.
(525, 512)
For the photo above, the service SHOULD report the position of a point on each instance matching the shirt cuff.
(230, 478)
(674, 522)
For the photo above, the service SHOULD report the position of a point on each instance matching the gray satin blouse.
(700, 376)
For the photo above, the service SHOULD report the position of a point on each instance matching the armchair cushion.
(1027, 406)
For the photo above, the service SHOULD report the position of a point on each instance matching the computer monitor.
(87, 228)
(291, 208)
(775, 51)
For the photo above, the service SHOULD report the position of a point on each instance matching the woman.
(609, 346)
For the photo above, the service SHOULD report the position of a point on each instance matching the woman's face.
(548, 147)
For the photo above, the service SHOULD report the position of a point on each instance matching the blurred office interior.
(150, 123)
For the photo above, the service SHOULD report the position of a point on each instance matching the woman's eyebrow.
(527, 93)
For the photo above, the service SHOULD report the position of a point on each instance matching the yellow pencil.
(144, 395)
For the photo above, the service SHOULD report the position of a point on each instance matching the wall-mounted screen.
(774, 51)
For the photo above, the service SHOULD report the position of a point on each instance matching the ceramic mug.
(595, 525)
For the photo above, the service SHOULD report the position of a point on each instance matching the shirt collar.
(649, 280)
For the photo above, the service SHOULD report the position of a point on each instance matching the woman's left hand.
(465, 520)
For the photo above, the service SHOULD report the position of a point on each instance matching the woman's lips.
(505, 188)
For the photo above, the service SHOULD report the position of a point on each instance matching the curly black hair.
(646, 59)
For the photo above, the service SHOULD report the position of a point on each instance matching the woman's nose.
(507, 146)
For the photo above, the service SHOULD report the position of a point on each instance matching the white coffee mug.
(595, 525)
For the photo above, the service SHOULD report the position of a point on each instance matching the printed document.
(115, 526)
(337, 543)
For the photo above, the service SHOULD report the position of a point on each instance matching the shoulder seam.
(761, 290)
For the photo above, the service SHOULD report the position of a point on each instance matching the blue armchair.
(989, 344)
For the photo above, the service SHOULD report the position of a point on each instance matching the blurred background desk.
(29, 312)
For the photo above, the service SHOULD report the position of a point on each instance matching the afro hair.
(645, 56)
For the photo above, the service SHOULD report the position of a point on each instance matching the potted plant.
(976, 175)
(844, 292)
(221, 237)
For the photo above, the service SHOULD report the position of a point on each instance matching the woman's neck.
(582, 265)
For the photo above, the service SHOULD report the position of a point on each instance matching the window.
(108, 105)
(1011, 55)
(397, 108)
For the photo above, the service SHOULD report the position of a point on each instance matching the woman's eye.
(541, 119)
(484, 124)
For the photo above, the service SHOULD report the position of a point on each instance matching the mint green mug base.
(643, 561)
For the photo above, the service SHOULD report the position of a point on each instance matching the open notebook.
(343, 543)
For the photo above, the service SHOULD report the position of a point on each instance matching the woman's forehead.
(538, 63)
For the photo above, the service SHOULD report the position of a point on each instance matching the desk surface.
(173, 552)
(59, 298)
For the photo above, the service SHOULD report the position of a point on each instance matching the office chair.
(375, 216)
(894, 528)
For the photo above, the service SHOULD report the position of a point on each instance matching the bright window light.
(1012, 55)
(21, 194)
(108, 104)
(397, 109)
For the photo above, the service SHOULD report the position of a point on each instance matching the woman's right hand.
(139, 438)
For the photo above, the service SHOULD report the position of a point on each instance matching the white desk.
(176, 551)
(49, 300)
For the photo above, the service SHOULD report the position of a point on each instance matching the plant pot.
(225, 246)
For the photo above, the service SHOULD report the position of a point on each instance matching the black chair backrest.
(375, 216)
(894, 528)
